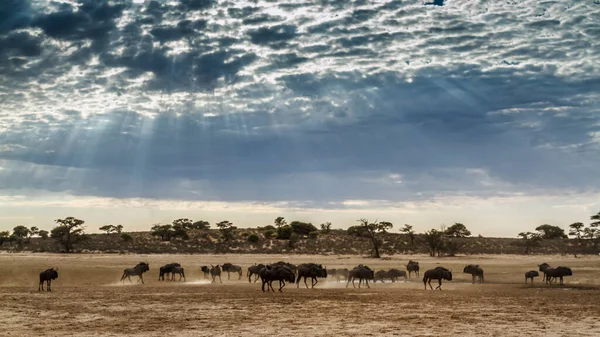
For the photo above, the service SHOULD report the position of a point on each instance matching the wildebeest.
(232, 268)
(361, 273)
(342, 272)
(214, 272)
(311, 270)
(138, 270)
(437, 273)
(475, 271)
(177, 270)
(413, 267)
(166, 270)
(47, 276)
(281, 274)
(290, 266)
(205, 271)
(332, 272)
(543, 267)
(560, 272)
(530, 275)
(380, 275)
(394, 274)
(254, 270)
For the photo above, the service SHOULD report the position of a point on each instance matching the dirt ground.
(89, 300)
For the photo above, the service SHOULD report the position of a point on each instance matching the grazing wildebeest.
(205, 271)
(413, 267)
(438, 273)
(560, 272)
(310, 270)
(343, 272)
(475, 271)
(47, 276)
(361, 273)
(165, 270)
(281, 274)
(381, 275)
(214, 272)
(232, 268)
(543, 267)
(530, 275)
(138, 270)
(254, 270)
(394, 274)
(177, 270)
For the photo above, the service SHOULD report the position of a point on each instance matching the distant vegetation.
(373, 238)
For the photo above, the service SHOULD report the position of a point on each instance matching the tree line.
(438, 242)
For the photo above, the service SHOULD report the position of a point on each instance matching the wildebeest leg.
(227, 276)
(240, 275)
(141, 278)
(367, 282)
(255, 278)
(306, 284)
(281, 285)
(263, 285)
(48, 286)
(429, 282)
(129, 278)
(473, 276)
(440, 284)
(314, 282)
(271, 285)
(220, 281)
(347, 283)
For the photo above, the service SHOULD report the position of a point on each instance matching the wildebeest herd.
(286, 272)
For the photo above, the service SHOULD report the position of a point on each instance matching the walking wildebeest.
(281, 274)
(361, 273)
(394, 274)
(290, 266)
(165, 270)
(310, 270)
(205, 271)
(47, 276)
(177, 270)
(560, 272)
(254, 270)
(332, 273)
(475, 271)
(413, 267)
(214, 272)
(231, 268)
(138, 270)
(530, 275)
(343, 272)
(438, 273)
(381, 275)
(543, 267)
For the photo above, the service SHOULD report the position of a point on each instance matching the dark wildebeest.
(205, 271)
(138, 270)
(166, 270)
(381, 275)
(281, 274)
(394, 274)
(214, 272)
(438, 273)
(232, 268)
(47, 276)
(475, 271)
(177, 270)
(560, 272)
(361, 273)
(413, 267)
(254, 270)
(543, 267)
(290, 266)
(530, 275)
(311, 270)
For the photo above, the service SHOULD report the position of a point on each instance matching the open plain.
(88, 299)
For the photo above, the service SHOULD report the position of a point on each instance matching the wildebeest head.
(54, 273)
(544, 266)
(532, 273)
(205, 269)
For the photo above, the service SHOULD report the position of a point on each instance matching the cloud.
(312, 104)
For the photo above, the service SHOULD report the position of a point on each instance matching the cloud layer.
(312, 103)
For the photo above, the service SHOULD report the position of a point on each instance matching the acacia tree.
(408, 230)
(69, 231)
(4, 236)
(577, 230)
(549, 232)
(530, 240)
(457, 230)
(108, 229)
(183, 223)
(201, 224)
(373, 229)
(43, 234)
(226, 228)
(434, 241)
(32, 231)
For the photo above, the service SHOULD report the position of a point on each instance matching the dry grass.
(88, 300)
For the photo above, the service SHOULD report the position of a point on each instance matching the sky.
(426, 113)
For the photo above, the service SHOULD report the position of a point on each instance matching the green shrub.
(313, 235)
(253, 238)
(269, 234)
(245, 234)
(285, 233)
(126, 237)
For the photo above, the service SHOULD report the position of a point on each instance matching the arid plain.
(89, 300)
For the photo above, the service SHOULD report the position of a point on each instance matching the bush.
(302, 228)
(245, 234)
(126, 237)
(253, 238)
(269, 234)
(285, 233)
(313, 235)
(267, 228)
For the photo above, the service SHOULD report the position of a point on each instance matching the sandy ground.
(89, 300)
